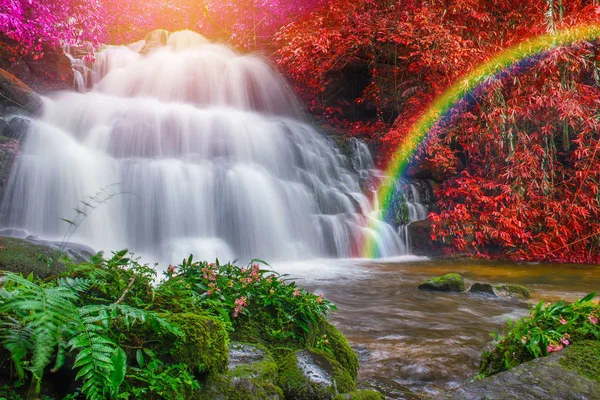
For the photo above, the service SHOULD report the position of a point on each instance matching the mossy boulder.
(584, 358)
(338, 345)
(360, 395)
(252, 375)
(227, 387)
(483, 289)
(17, 95)
(513, 291)
(573, 373)
(205, 346)
(313, 375)
(252, 361)
(452, 282)
(23, 257)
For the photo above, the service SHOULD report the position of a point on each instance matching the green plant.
(155, 379)
(44, 321)
(238, 294)
(547, 329)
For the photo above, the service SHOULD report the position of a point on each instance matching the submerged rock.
(452, 282)
(482, 288)
(565, 375)
(311, 375)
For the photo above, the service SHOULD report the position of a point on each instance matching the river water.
(420, 342)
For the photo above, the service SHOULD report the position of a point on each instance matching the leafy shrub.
(238, 295)
(547, 329)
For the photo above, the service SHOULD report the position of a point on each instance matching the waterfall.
(186, 148)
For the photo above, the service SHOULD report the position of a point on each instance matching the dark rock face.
(541, 379)
(9, 149)
(15, 96)
(419, 233)
(482, 288)
(48, 73)
(452, 282)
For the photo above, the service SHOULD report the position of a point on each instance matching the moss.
(584, 358)
(22, 257)
(360, 395)
(175, 295)
(452, 282)
(205, 345)
(296, 385)
(265, 369)
(227, 387)
(514, 290)
(338, 345)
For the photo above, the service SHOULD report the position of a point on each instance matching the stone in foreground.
(452, 282)
(548, 378)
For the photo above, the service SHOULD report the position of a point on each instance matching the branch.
(127, 289)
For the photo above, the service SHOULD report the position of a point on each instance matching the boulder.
(22, 256)
(15, 95)
(338, 346)
(9, 150)
(452, 282)
(252, 375)
(513, 291)
(313, 375)
(572, 374)
(482, 288)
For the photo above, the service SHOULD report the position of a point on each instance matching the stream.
(419, 342)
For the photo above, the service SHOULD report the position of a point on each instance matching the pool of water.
(413, 341)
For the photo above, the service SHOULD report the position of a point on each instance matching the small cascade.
(412, 201)
(188, 147)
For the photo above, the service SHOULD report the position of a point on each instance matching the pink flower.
(320, 298)
(553, 349)
(562, 320)
(593, 319)
(296, 293)
(565, 342)
(524, 340)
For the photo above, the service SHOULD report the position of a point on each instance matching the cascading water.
(196, 149)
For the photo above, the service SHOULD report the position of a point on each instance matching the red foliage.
(527, 145)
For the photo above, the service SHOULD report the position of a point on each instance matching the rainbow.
(463, 87)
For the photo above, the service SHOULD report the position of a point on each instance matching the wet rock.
(308, 375)
(545, 378)
(9, 149)
(482, 288)
(155, 39)
(15, 95)
(513, 291)
(252, 375)
(452, 282)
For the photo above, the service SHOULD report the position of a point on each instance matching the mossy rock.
(175, 295)
(252, 361)
(338, 345)
(227, 387)
(313, 375)
(23, 257)
(205, 345)
(584, 358)
(360, 395)
(452, 282)
(513, 291)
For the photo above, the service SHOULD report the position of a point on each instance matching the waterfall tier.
(190, 148)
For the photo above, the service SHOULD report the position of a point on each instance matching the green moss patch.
(333, 342)
(205, 345)
(22, 257)
(227, 387)
(452, 282)
(583, 358)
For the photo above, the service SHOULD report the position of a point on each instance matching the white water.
(213, 156)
